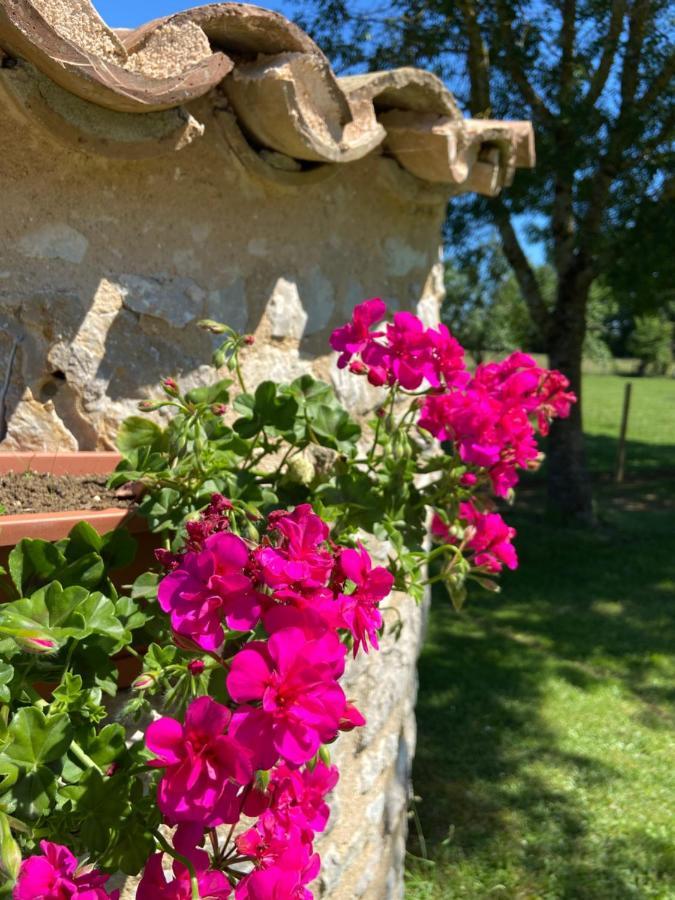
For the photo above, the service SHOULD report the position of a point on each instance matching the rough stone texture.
(363, 848)
(107, 267)
(288, 203)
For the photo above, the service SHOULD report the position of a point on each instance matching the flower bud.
(150, 405)
(196, 666)
(219, 409)
(356, 367)
(219, 358)
(300, 470)
(38, 644)
(249, 340)
(212, 326)
(170, 387)
(144, 681)
(468, 479)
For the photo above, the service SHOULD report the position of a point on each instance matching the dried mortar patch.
(79, 23)
(170, 50)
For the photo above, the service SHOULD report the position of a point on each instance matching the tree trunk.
(569, 485)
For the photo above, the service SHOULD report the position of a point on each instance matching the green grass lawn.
(546, 754)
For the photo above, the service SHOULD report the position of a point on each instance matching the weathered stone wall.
(106, 264)
(363, 848)
(363, 851)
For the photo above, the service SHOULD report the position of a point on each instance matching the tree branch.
(611, 161)
(599, 78)
(478, 61)
(568, 32)
(515, 70)
(660, 84)
(525, 276)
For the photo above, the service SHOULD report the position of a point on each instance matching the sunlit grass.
(546, 759)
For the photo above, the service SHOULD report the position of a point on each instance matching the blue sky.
(129, 13)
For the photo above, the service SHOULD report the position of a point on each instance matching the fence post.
(621, 455)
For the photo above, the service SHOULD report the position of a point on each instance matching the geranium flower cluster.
(299, 600)
(489, 417)
(56, 874)
(301, 597)
(279, 616)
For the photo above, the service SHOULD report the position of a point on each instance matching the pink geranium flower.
(360, 607)
(355, 335)
(299, 796)
(277, 848)
(276, 883)
(492, 540)
(446, 359)
(300, 559)
(155, 885)
(204, 765)
(208, 588)
(295, 680)
(57, 875)
(404, 355)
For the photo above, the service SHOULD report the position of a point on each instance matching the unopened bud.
(36, 644)
(356, 367)
(249, 340)
(149, 405)
(144, 681)
(196, 666)
(219, 409)
(381, 412)
(219, 359)
(170, 387)
(212, 326)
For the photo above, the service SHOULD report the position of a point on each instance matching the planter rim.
(58, 462)
(52, 526)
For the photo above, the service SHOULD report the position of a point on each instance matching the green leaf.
(10, 855)
(104, 747)
(270, 409)
(34, 793)
(118, 549)
(136, 432)
(145, 586)
(35, 739)
(59, 614)
(6, 675)
(33, 561)
(82, 539)
(86, 572)
(211, 393)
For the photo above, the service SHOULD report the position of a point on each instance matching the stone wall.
(363, 851)
(106, 264)
(363, 848)
(105, 267)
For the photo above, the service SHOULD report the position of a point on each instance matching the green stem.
(166, 846)
(84, 757)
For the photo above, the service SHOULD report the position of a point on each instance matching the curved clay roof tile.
(278, 83)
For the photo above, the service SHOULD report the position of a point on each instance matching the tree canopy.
(595, 77)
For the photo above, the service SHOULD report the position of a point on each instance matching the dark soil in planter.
(31, 492)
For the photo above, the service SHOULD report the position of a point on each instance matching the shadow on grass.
(592, 609)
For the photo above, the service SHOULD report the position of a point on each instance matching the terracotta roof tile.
(278, 83)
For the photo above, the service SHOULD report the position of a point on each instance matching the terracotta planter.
(53, 526)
